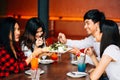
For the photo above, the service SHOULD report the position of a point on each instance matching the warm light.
(116, 20)
(59, 18)
(66, 18)
(27, 17)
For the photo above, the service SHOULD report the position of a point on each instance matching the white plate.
(74, 62)
(46, 61)
(29, 72)
(61, 51)
(76, 74)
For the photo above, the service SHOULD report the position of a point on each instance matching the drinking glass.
(73, 57)
(81, 63)
(81, 67)
(35, 72)
(34, 63)
(59, 56)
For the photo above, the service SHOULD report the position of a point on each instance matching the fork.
(73, 73)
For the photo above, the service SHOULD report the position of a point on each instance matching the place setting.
(76, 74)
(34, 71)
(45, 60)
(80, 72)
(81, 67)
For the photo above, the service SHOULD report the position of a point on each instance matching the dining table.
(55, 71)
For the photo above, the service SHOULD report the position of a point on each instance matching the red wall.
(64, 8)
(72, 29)
(77, 8)
(22, 7)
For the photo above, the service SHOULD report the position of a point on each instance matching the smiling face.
(39, 33)
(90, 26)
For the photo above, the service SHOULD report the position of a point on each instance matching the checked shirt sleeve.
(9, 64)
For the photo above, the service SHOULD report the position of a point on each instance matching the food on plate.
(58, 47)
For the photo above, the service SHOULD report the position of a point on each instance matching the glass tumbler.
(81, 63)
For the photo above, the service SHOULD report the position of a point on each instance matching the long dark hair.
(7, 26)
(28, 37)
(110, 35)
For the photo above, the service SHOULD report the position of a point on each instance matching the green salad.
(58, 47)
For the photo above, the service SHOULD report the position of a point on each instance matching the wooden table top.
(54, 71)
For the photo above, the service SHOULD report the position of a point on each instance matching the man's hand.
(74, 50)
(62, 38)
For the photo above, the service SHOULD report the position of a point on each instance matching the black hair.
(110, 35)
(28, 37)
(7, 26)
(95, 15)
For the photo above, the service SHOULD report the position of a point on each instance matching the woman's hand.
(89, 51)
(45, 49)
(36, 53)
(62, 38)
(39, 42)
(45, 54)
(39, 51)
